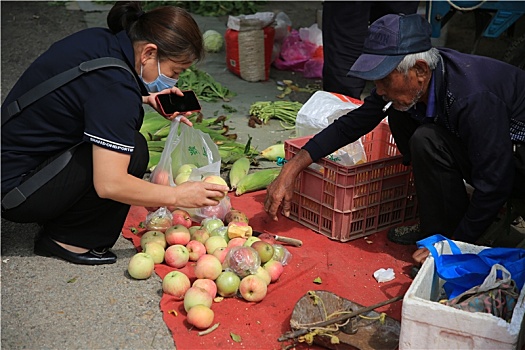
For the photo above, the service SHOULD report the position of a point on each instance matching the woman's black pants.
(68, 207)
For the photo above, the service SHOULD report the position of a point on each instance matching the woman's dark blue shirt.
(102, 107)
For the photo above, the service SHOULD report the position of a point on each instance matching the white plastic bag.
(321, 109)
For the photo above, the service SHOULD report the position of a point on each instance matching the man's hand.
(280, 191)
(420, 255)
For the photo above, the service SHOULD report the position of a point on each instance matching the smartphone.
(171, 103)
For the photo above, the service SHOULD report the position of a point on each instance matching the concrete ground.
(50, 304)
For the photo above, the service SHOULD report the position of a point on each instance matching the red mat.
(345, 269)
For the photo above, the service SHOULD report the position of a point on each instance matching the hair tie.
(140, 14)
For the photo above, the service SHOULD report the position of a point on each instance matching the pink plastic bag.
(294, 53)
(299, 54)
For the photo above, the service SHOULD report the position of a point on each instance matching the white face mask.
(162, 82)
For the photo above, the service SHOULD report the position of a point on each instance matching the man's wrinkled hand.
(420, 255)
(278, 193)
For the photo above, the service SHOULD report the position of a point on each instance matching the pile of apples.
(228, 262)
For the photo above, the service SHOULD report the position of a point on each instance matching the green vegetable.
(285, 111)
(204, 85)
(213, 40)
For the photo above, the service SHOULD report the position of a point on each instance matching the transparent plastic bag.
(159, 220)
(281, 254)
(186, 145)
(242, 260)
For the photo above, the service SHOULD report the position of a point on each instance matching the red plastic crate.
(348, 202)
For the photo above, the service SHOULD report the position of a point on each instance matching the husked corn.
(274, 151)
(239, 169)
(257, 181)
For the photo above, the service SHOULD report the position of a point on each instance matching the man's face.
(403, 90)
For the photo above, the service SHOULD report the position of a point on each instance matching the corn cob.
(256, 181)
(154, 158)
(153, 122)
(239, 169)
(157, 146)
(274, 151)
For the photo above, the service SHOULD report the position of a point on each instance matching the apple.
(238, 223)
(185, 169)
(264, 275)
(235, 216)
(161, 177)
(274, 268)
(192, 229)
(236, 230)
(211, 224)
(153, 236)
(200, 316)
(208, 266)
(195, 249)
(217, 211)
(182, 178)
(228, 284)
(155, 250)
(221, 253)
(253, 288)
(264, 249)
(236, 242)
(181, 217)
(243, 261)
(177, 256)
(195, 296)
(216, 179)
(213, 243)
(251, 240)
(200, 235)
(176, 283)
(141, 266)
(177, 234)
(206, 284)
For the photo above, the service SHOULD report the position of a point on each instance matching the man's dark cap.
(390, 39)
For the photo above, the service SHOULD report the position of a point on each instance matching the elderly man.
(455, 117)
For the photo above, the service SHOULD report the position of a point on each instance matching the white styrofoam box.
(426, 324)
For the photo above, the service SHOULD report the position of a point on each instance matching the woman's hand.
(197, 194)
(151, 100)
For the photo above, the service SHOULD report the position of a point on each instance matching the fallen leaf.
(209, 330)
(173, 312)
(318, 280)
(142, 224)
(236, 338)
(73, 280)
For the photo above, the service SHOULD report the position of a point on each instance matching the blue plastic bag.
(462, 271)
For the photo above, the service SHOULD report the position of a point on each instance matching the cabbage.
(213, 41)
